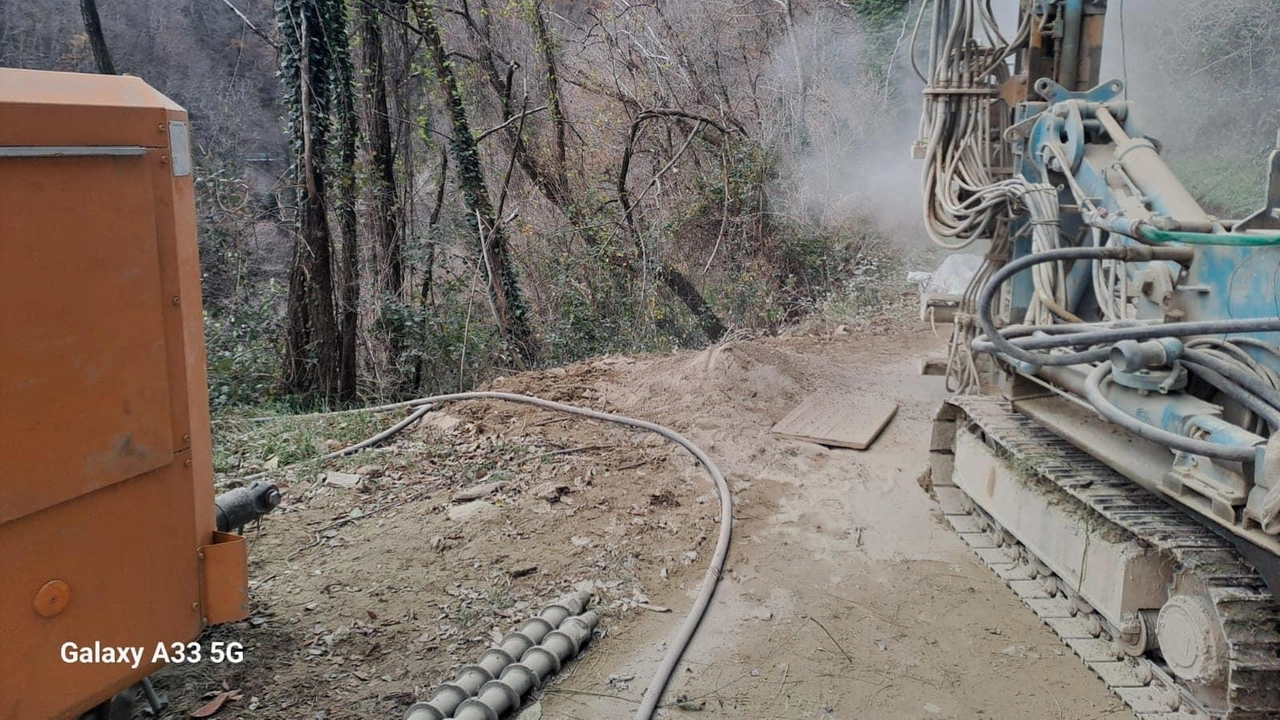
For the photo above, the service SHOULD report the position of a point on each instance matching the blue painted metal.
(1055, 93)
(1225, 281)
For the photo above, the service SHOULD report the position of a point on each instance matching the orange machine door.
(84, 396)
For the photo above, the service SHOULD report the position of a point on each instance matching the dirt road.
(845, 595)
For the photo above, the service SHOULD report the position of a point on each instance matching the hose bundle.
(967, 63)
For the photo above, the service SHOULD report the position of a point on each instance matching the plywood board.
(837, 420)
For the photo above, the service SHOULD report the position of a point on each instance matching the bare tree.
(383, 204)
(348, 222)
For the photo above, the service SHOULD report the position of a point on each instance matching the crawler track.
(1248, 613)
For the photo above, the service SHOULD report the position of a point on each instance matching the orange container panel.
(106, 492)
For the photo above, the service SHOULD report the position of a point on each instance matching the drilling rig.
(1111, 450)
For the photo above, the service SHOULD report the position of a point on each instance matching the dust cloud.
(1204, 75)
(852, 163)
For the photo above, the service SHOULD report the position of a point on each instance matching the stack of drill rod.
(567, 611)
(499, 697)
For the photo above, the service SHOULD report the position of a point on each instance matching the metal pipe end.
(545, 660)
(423, 711)
(588, 620)
(473, 709)
(574, 602)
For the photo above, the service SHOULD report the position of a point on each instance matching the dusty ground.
(845, 595)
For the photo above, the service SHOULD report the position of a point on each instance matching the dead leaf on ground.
(215, 704)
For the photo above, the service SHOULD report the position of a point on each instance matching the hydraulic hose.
(1067, 336)
(679, 642)
(1126, 253)
(1093, 393)
(1255, 404)
(1238, 375)
(1151, 234)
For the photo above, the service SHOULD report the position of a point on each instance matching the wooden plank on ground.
(828, 418)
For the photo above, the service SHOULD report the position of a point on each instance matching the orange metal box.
(106, 491)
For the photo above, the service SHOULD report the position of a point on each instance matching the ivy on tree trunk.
(307, 72)
(494, 255)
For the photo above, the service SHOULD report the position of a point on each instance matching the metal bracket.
(1055, 93)
(180, 148)
(224, 579)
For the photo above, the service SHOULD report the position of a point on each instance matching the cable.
(1245, 379)
(680, 640)
(1126, 253)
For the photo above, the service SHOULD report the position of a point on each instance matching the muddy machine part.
(1112, 450)
(107, 514)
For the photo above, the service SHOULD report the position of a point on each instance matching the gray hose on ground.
(328, 413)
(680, 641)
(383, 436)
(1093, 392)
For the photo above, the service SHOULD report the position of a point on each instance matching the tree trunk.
(381, 156)
(312, 365)
(682, 288)
(97, 42)
(676, 281)
(500, 277)
(348, 223)
(313, 332)
(548, 47)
